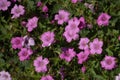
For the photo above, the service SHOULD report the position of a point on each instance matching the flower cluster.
(71, 36)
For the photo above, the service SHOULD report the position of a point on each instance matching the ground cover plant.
(59, 39)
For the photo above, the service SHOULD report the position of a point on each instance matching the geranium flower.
(17, 10)
(5, 76)
(47, 38)
(103, 19)
(68, 55)
(70, 35)
(62, 16)
(17, 42)
(73, 25)
(83, 43)
(24, 54)
(28, 41)
(41, 64)
(96, 46)
(4, 4)
(32, 23)
(108, 63)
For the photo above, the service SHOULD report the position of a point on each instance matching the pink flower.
(83, 44)
(44, 8)
(4, 4)
(24, 54)
(73, 25)
(28, 41)
(62, 16)
(32, 23)
(70, 35)
(74, 1)
(103, 19)
(39, 3)
(108, 63)
(68, 55)
(47, 38)
(117, 77)
(17, 42)
(5, 76)
(17, 10)
(83, 56)
(47, 77)
(83, 69)
(41, 64)
(81, 23)
(96, 46)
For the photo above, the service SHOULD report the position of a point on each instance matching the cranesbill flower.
(41, 64)
(117, 77)
(83, 56)
(103, 19)
(28, 41)
(5, 76)
(17, 42)
(68, 55)
(17, 10)
(4, 4)
(47, 38)
(70, 35)
(32, 23)
(83, 43)
(108, 63)
(24, 54)
(96, 46)
(62, 16)
(73, 25)
(47, 77)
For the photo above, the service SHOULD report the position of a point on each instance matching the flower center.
(83, 56)
(17, 42)
(5, 76)
(83, 43)
(70, 34)
(73, 26)
(96, 46)
(41, 63)
(108, 61)
(17, 11)
(67, 54)
(47, 38)
(103, 18)
(61, 17)
(24, 54)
